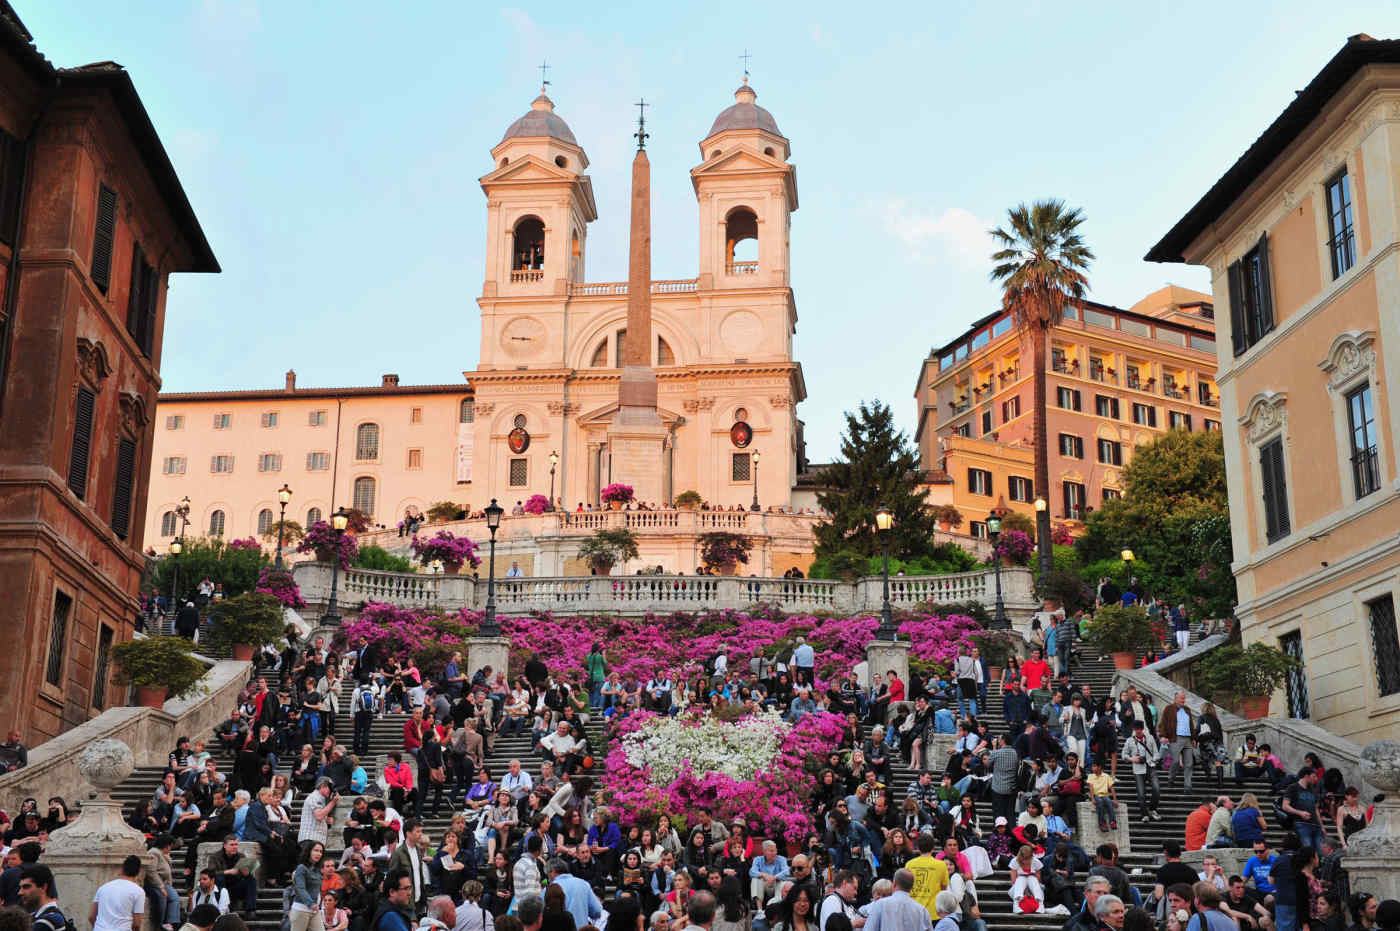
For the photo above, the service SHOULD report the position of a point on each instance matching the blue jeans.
(1285, 917)
(963, 704)
(1309, 833)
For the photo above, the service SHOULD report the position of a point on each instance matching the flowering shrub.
(322, 540)
(1015, 547)
(448, 548)
(1060, 536)
(757, 768)
(247, 543)
(536, 504)
(617, 492)
(279, 584)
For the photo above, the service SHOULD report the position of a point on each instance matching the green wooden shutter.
(135, 301)
(1266, 290)
(126, 481)
(103, 238)
(83, 410)
(1239, 341)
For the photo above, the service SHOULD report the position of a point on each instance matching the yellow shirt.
(930, 878)
(1100, 784)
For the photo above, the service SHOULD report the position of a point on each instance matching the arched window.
(367, 442)
(600, 356)
(216, 524)
(364, 495)
(741, 241)
(467, 413)
(313, 516)
(664, 355)
(264, 521)
(167, 524)
(529, 245)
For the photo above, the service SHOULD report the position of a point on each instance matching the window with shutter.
(139, 322)
(83, 409)
(216, 524)
(364, 496)
(1275, 489)
(58, 639)
(313, 517)
(11, 185)
(99, 676)
(739, 467)
(104, 235)
(122, 490)
(167, 524)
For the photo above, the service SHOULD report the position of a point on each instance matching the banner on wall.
(464, 452)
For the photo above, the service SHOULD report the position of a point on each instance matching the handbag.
(438, 775)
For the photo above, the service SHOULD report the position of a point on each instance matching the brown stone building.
(92, 221)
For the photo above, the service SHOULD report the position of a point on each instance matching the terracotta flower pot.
(615, 505)
(150, 696)
(324, 554)
(1255, 707)
(451, 568)
(1124, 660)
(242, 652)
(994, 673)
(944, 526)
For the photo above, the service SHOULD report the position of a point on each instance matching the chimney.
(390, 381)
(291, 379)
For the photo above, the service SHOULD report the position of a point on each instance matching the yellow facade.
(1306, 372)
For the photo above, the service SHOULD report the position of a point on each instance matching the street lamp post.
(339, 521)
(999, 620)
(176, 545)
(1128, 558)
(1042, 535)
(489, 627)
(284, 494)
(553, 461)
(755, 480)
(884, 524)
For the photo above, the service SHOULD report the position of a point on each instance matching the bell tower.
(747, 191)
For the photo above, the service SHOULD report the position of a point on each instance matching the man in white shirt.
(119, 903)
(804, 658)
(317, 812)
(517, 782)
(514, 571)
(562, 746)
(207, 892)
(841, 900)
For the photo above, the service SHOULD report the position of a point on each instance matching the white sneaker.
(1057, 910)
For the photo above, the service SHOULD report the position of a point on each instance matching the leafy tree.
(377, 557)
(292, 532)
(607, 548)
(235, 568)
(1041, 266)
(723, 550)
(877, 467)
(1015, 520)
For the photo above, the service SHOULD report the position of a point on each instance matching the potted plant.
(443, 511)
(1123, 631)
(447, 548)
(606, 548)
(158, 667)
(1245, 676)
(724, 551)
(948, 516)
(616, 495)
(688, 500)
(536, 504)
(996, 647)
(322, 540)
(247, 622)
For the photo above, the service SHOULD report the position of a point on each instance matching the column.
(595, 452)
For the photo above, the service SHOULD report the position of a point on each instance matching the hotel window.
(175, 422)
(313, 516)
(1068, 399)
(963, 429)
(264, 521)
(979, 482)
(466, 412)
(415, 458)
(223, 421)
(1342, 236)
(1144, 415)
(58, 639)
(1275, 490)
(1251, 297)
(978, 529)
(1111, 494)
(415, 415)
(1110, 452)
(318, 462)
(1105, 406)
(1018, 488)
(520, 472)
(269, 419)
(221, 464)
(739, 470)
(316, 418)
(1010, 409)
(364, 495)
(1385, 644)
(167, 524)
(1071, 446)
(270, 462)
(1075, 499)
(173, 465)
(216, 524)
(1176, 420)
(986, 422)
(1211, 425)
(367, 442)
(1365, 467)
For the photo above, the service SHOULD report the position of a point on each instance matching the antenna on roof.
(641, 133)
(745, 59)
(544, 75)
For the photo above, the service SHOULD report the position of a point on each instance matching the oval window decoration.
(741, 434)
(518, 440)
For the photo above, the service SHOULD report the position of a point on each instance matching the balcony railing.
(741, 268)
(1366, 469)
(670, 286)
(526, 274)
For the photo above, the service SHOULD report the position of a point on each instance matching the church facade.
(553, 344)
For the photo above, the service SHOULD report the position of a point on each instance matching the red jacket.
(399, 775)
(412, 735)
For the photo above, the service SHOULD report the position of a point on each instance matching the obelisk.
(636, 435)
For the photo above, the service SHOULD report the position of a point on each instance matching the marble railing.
(667, 521)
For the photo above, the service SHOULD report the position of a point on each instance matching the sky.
(332, 151)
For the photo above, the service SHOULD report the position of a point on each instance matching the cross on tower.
(745, 59)
(544, 75)
(641, 133)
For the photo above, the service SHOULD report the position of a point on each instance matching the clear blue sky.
(332, 150)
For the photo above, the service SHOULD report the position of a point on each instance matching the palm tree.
(1041, 266)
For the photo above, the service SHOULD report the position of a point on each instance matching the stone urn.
(1373, 853)
(105, 764)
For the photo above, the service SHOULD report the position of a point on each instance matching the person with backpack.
(38, 894)
(365, 701)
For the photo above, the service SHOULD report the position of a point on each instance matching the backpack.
(53, 918)
(366, 700)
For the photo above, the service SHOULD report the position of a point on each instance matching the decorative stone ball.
(1380, 765)
(106, 763)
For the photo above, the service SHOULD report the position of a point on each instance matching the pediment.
(530, 168)
(741, 159)
(601, 416)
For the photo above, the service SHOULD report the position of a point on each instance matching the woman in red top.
(896, 687)
(399, 775)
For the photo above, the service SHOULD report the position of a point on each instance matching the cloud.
(955, 232)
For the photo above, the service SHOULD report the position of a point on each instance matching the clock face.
(522, 336)
(518, 440)
(741, 434)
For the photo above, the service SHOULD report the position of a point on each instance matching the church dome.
(745, 114)
(542, 121)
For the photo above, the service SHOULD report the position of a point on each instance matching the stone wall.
(151, 733)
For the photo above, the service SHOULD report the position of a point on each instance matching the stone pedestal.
(884, 655)
(636, 442)
(1373, 854)
(90, 851)
(487, 651)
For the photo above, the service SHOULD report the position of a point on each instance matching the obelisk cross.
(641, 132)
(544, 75)
(745, 58)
